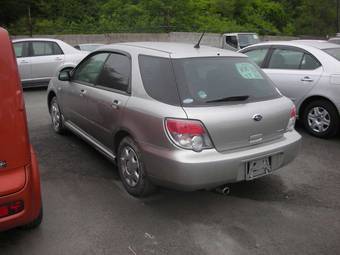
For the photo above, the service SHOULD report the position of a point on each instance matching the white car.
(308, 72)
(40, 59)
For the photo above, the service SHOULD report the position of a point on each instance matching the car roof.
(176, 50)
(37, 39)
(318, 44)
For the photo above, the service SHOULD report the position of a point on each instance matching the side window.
(257, 55)
(20, 49)
(115, 73)
(56, 49)
(42, 49)
(89, 70)
(232, 41)
(285, 59)
(159, 79)
(309, 63)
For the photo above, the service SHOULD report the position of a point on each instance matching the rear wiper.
(228, 99)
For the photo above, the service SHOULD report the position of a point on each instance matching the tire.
(35, 223)
(321, 119)
(56, 117)
(132, 169)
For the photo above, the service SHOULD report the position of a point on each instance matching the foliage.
(274, 17)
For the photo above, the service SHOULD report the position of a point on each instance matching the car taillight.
(11, 208)
(188, 134)
(292, 119)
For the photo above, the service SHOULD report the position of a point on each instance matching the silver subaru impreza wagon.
(176, 115)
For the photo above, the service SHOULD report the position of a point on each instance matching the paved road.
(295, 211)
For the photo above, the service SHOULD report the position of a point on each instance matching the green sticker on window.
(248, 71)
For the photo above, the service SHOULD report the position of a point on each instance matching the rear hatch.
(14, 144)
(233, 98)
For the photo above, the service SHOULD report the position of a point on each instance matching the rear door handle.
(82, 92)
(115, 104)
(307, 79)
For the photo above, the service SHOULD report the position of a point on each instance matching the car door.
(107, 100)
(73, 94)
(294, 71)
(23, 60)
(46, 57)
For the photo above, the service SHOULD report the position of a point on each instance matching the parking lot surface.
(87, 211)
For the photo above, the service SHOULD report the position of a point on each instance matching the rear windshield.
(203, 81)
(334, 52)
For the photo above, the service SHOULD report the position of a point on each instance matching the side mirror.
(64, 75)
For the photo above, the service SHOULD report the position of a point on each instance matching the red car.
(20, 197)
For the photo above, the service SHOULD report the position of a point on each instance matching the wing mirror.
(65, 75)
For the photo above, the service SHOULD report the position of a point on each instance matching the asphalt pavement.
(294, 211)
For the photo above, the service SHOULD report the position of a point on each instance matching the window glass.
(334, 52)
(257, 55)
(201, 80)
(285, 59)
(248, 39)
(309, 63)
(232, 41)
(89, 70)
(116, 73)
(42, 48)
(19, 49)
(56, 49)
(158, 79)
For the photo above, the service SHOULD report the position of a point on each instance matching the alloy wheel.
(319, 119)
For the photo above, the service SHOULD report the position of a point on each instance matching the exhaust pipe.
(223, 190)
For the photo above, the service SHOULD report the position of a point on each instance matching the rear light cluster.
(188, 134)
(11, 208)
(292, 119)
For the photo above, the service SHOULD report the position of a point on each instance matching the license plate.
(257, 168)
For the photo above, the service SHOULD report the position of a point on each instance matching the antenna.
(197, 46)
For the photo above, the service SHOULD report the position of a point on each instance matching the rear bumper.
(188, 170)
(30, 194)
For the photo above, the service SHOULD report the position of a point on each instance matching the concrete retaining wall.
(209, 38)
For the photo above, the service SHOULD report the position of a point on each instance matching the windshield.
(248, 39)
(334, 52)
(202, 81)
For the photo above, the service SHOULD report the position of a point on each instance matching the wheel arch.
(311, 99)
(119, 136)
(50, 95)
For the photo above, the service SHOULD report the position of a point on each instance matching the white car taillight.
(292, 120)
(188, 134)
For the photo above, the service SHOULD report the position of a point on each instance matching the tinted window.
(45, 49)
(257, 55)
(20, 49)
(285, 59)
(158, 79)
(89, 70)
(248, 39)
(232, 41)
(116, 73)
(309, 63)
(334, 52)
(201, 80)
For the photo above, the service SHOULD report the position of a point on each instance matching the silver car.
(308, 72)
(39, 59)
(173, 115)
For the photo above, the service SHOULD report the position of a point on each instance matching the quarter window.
(257, 55)
(115, 73)
(89, 70)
